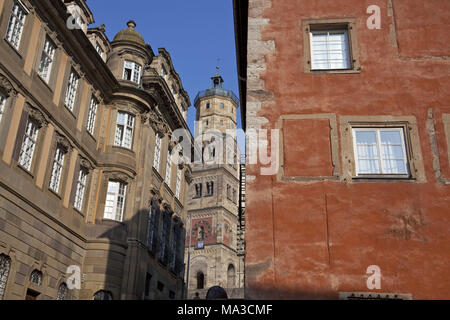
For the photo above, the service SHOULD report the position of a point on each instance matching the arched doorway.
(200, 280)
(231, 276)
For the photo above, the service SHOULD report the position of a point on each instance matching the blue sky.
(195, 32)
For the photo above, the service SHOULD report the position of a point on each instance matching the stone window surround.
(412, 143)
(330, 24)
(333, 143)
(59, 141)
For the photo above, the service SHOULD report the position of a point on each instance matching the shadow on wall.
(131, 259)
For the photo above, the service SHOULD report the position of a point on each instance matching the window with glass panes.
(157, 157)
(92, 115)
(45, 67)
(81, 187)
(28, 144)
(16, 24)
(2, 105)
(178, 186)
(115, 200)
(380, 151)
(5, 266)
(58, 164)
(71, 90)
(62, 292)
(99, 50)
(124, 130)
(132, 71)
(168, 168)
(329, 50)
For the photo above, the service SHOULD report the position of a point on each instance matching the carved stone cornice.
(119, 176)
(63, 142)
(127, 107)
(86, 164)
(7, 86)
(36, 115)
(156, 195)
(158, 124)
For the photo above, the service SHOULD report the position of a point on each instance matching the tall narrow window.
(152, 225)
(45, 67)
(99, 50)
(2, 105)
(71, 90)
(58, 163)
(200, 280)
(380, 151)
(5, 266)
(132, 71)
(157, 155)
(124, 130)
(198, 190)
(231, 275)
(168, 168)
(62, 292)
(178, 185)
(16, 24)
(28, 144)
(329, 50)
(115, 201)
(81, 187)
(210, 188)
(92, 115)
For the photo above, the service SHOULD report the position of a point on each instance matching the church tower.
(214, 254)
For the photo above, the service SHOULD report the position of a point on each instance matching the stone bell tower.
(214, 256)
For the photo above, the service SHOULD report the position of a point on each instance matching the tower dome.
(130, 34)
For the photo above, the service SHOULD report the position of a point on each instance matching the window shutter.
(20, 134)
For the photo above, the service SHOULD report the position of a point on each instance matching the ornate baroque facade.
(85, 130)
(214, 243)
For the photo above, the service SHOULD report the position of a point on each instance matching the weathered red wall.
(316, 239)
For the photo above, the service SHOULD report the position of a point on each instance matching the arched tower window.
(231, 275)
(200, 280)
(201, 233)
(5, 266)
(62, 292)
(103, 295)
(36, 277)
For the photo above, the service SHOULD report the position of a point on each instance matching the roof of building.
(130, 34)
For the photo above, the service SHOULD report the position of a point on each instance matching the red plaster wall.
(316, 239)
(306, 147)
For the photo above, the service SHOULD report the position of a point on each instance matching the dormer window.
(99, 50)
(132, 71)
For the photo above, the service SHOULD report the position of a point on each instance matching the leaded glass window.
(115, 200)
(45, 67)
(28, 144)
(5, 266)
(81, 187)
(36, 277)
(16, 24)
(157, 155)
(124, 130)
(58, 163)
(62, 292)
(92, 115)
(71, 90)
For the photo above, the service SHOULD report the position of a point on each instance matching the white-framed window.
(124, 130)
(115, 200)
(2, 105)
(90, 126)
(45, 67)
(178, 185)
(71, 90)
(58, 163)
(168, 168)
(16, 24)
(329, 50)
(28, 144)
(81, 187)
(157, 157)
(380, 151)
(132, 71)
